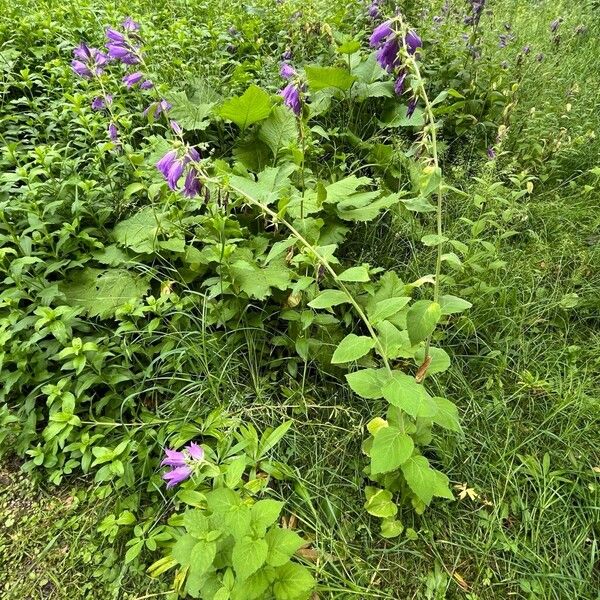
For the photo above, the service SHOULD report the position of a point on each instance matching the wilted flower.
(399, 83)
(287, 55)
(133, 78)
(410, 109)
(539, 57)
(287, 71)
(291, 97)
(183, 463)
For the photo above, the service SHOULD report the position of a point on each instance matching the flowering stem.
(323, 262)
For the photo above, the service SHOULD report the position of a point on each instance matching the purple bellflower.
(113, 132)
(132, 79)
(373, 10)
(399, 83)
(410, 109)
(291, 98)
(130, 25)
(146, 85)
(101, 102)
(88, 62)
(183, 463)
(413, 42)
(380, 34)
(287, 71)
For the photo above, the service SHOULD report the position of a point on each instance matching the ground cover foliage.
(341, 342)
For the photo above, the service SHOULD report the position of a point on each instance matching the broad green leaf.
(264, 513)
(433, 239)
(370, 211)
(395, 115)
(257, 281)
(405, 393)
(201, 558)
(379, 503)
(132, 188)
(352, 347)
(391, 528)
(101, 292)
(141, 231)
(344, 188)
(222, 500)
(453, 304)
(235, 471)
(271, 183)
(329, 298)
(254, 587)
(195, 522)
(368, 383)
(440, 361)
(192, 498)
(424, 481)
(282, 545)
(394, 341)
(293, 582)
(271, 438)
(360, 274)
(324, 77)
(421, 319)
(248, 556)
(189, 114)
(348, 47)
(182, 550)
(387, 308)
(279, 130)
(446, 415)
(391, 448)
(252, 106)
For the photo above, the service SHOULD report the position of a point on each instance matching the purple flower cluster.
(373, 10)
(88, 62)
(477, 7)
(182, 463)
(387, 42)
(172, 167)
(124, 47)
(291, 92)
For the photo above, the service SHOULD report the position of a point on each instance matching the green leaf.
(421, 319)
(195, 522)
(395, 342)
(391, 528)
(132, 188)
(257, 281)
(424, 481)
(141, 231)
(453, 304)
(189, 114)
(271, 438)
(192, 498)
(368, 383)
(101, 292)
(329, 298)
(282, 545)
(325, 77)
(182, 550)
(433, 239)
(270, 185)
(387, 308)
(405, 393)
(293, 582)
(446, 415)
(359, 274)
(391, 448)
(235, 470)
(248, 556)
(379, 503)
(264, 513)
(202, 556)
(352, 347)
(279, 130)
(252, 106)
(440, 361)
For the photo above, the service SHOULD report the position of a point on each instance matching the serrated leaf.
(141, 231)
(405, 393)
(279, 130)
(326, 77)
(248, 556)
(282, 544)
(352, 347)
(391, 448)
(252, 106)
(257, 281)
(368, 383)
(293, 582)
(101, 292)
(195, 522)
(329, 298)
(453, 304)
(424, 481)
(379, 503)
(446, 415)
(264, 513)
(270, 185)
(189, 114)
(421, 319)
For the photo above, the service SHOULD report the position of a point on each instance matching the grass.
(525, 374)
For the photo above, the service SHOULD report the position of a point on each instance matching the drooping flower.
(113, 132)
(373, 10)
(387, 55)
(166, 162)
(399, 83)
(81, 69)
(176, 127)
(491, 153)
(132, 79)
(413, 42)
(193, 154)
(177, 475)
(146, 85)
(115, 36)
(287, 71)
(175, 173)
(101, 102)
(82, 52)
(291, 97)
(381, 33)
(126, 53)
(191, 188)
(159, 108)
(130, 25)
(88, 62)
(183, 463)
